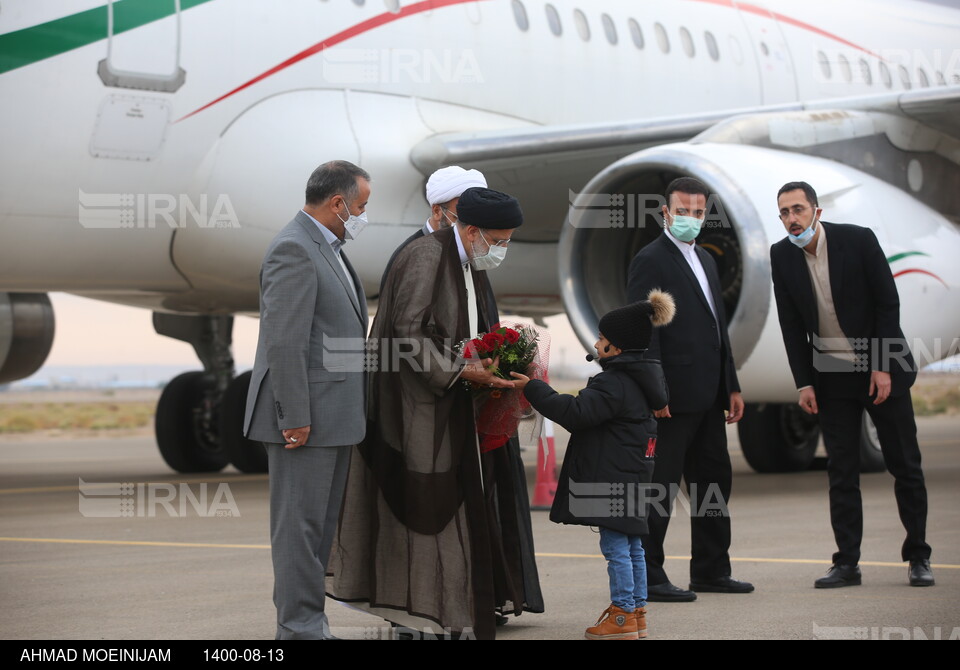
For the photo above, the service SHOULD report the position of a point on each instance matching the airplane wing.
(541, 164)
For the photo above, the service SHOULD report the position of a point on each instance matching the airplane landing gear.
(778, 438)
(199, 422)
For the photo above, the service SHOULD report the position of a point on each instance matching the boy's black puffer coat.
(611, 422)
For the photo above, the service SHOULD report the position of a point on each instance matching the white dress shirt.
(337, 245)
(689, 252)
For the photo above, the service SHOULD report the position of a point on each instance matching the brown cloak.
(422, 530)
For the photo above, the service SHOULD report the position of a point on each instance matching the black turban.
(486, 208)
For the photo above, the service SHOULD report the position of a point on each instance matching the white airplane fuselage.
(207, 173)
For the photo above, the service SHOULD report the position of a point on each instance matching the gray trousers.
(306, 490)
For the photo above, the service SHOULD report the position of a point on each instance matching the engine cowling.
(26, 334)
(619, 213)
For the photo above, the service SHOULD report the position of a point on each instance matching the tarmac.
(186, 557)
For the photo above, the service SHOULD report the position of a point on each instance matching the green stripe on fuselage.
(36, 43)
(897, 257)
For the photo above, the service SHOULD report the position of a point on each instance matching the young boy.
(612, 440)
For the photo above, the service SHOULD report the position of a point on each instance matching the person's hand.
(736, 407)
(481, 373)
(880, 382)
(663, 413)
(808, 400)
(522, 380)
(294, 437)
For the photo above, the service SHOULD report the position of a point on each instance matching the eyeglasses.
(455, 219)
(494, 243)
(796, 210)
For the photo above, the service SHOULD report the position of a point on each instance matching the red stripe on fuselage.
(342, 36)
(922, 272)
(763, 11)
(426, 5)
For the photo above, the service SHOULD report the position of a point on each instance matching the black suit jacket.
(864, 295)
(694, 348)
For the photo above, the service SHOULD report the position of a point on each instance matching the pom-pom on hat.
(630, 327)
(487, 208)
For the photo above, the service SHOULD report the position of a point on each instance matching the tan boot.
(614, 624)
(641, 614)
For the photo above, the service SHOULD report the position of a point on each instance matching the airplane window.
(885, 75)
(711, 45)
(609, 28)
(922, 78)
(393, 6)
(635, 33)
(687, 40)
(905, 77)
(824, 64)
(662, 40)
(764, 49)
(940, 79)
(845, 68)
(865, 72)
(553, 20)
(359, 3)
(520, 14)
(583, 28)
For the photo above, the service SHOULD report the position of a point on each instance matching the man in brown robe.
(428, 533)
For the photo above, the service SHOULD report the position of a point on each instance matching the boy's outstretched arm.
(594, 405)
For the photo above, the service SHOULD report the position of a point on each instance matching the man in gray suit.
(306, 399)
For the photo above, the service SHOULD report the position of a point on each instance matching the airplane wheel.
(778, 438)
(245, 455)
(871, 456)
(185, 442)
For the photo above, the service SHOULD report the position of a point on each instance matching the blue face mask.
(803, 239)
(686, 228)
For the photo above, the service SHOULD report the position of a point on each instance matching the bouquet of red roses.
(512, 349)
(517, 348)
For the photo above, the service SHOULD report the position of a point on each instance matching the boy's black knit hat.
(631, 327)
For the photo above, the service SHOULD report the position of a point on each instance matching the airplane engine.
(618, 213)
(26, 334)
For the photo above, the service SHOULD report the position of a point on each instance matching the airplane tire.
(245, 455)
(777, 437)
(183, 444)
(871, 456)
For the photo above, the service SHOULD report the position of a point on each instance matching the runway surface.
(187, 557)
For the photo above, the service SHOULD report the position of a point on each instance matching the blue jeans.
(626, 567)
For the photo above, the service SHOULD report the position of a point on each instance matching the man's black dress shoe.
(839, 575)
(725, 584)
(668, 593)
(920, 573)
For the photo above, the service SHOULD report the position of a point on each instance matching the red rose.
(475, 349)
(511, 335)
(493, 341)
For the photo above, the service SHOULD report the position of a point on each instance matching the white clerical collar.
(335, 242)
(463, 252)
(426, 228)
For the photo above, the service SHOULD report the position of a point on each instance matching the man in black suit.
(695, 354)
(840, 317)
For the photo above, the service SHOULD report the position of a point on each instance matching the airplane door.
(143, 46)
(777, 80)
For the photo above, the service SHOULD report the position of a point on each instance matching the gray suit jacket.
(310, 356)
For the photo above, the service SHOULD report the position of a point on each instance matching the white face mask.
(490, 260)
(353, 225)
